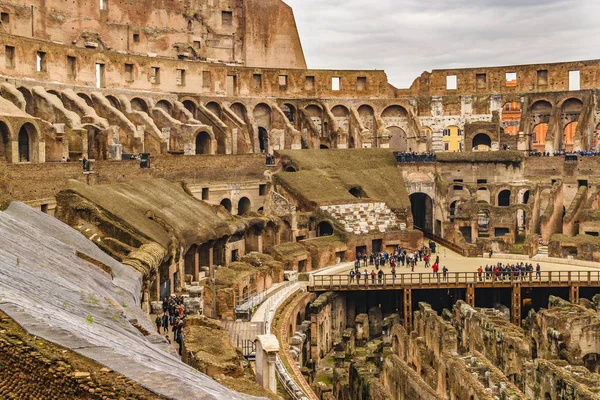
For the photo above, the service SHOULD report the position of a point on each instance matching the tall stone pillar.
(267, 347)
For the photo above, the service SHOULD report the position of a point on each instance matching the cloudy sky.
(407, 37)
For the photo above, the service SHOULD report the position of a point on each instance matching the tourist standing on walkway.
(351, 276)
(538, 271)
(445, 274)
(158, 322)
(426, 258)
(356, 265)
(435, 269)
(366, 276)
(480, 273)
(380, 276)
(373, 276)
(165, 322)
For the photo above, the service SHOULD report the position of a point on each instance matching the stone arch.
(340, 111)
(139, 104)
(244, 206)
(86, 98)
(240, 110)
(541, 106)
(5, 142)
(422, 211)
(398, 138)
(191, 107)
(323, 147)
(572, 105)
(115, 102)
(226, 203)
(482, 142)
(504, 198)
(203, 142)
(27, 141)
(214, 108)
(592, 362)
(262, 115)
(315, 114)
(367, 116)
(290, 112)
(29, 103)
(483, 195)
(165, 105)
(290, 168)
(394, 111)
(324, 228)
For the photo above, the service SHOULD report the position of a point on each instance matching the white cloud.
(407, 37)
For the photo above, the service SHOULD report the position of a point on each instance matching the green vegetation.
(505, 157)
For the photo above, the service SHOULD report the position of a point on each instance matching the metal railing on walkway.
(453, 279)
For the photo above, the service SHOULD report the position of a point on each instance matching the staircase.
(363, 218)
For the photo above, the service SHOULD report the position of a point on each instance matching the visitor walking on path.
(444, 274)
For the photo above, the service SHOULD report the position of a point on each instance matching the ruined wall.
(328, 321)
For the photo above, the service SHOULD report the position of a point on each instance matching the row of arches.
(27, 140)
(244, 205)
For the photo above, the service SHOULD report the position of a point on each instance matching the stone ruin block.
(193, 306)
(361, 324)
(386, 327)
(156, 307)
(375, 321)
(349, 338)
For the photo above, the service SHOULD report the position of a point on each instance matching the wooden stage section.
(470, 281)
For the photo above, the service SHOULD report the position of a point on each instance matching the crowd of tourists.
(399, 258)
(172, 316)
(563, 153)
(509, 272)
(412, 157)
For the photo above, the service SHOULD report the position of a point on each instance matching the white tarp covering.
(58, 296)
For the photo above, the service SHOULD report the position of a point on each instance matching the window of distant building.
(361, 83)
(511, 79)
(574, 80)
(9, 56)
(335, 83)
(542, 77)
(451, 82)
(481, 81)
(40, 61)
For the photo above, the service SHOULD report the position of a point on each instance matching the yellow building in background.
(452, 139)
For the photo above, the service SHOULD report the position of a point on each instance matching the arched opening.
(315, 114)
(86, 98)
(203, 143)
(482, 142)
(189, 261)
(398, 139)
(483, 195)
(214, 108)
(357, 192)
(351, 143)
(29, 104)
(263, 139)
(114, 102)
(324, 229)
(138, 104)
(504, 198)
(592, 362)
(569, 136)
(394, 111)
(422, 211)
(5, 154)
(290, 169)
(572, 106)
(539, 137)
(524, 196)
(511, 117)
(26, 139)
(342, 117)
(243, 206)
(226, 203)
(453, 208)
(191, 107)
(165, 106)
(239, 110)
(290, 112)
(323, 147)
(451, 138)
(483, 222)
(367, 116)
